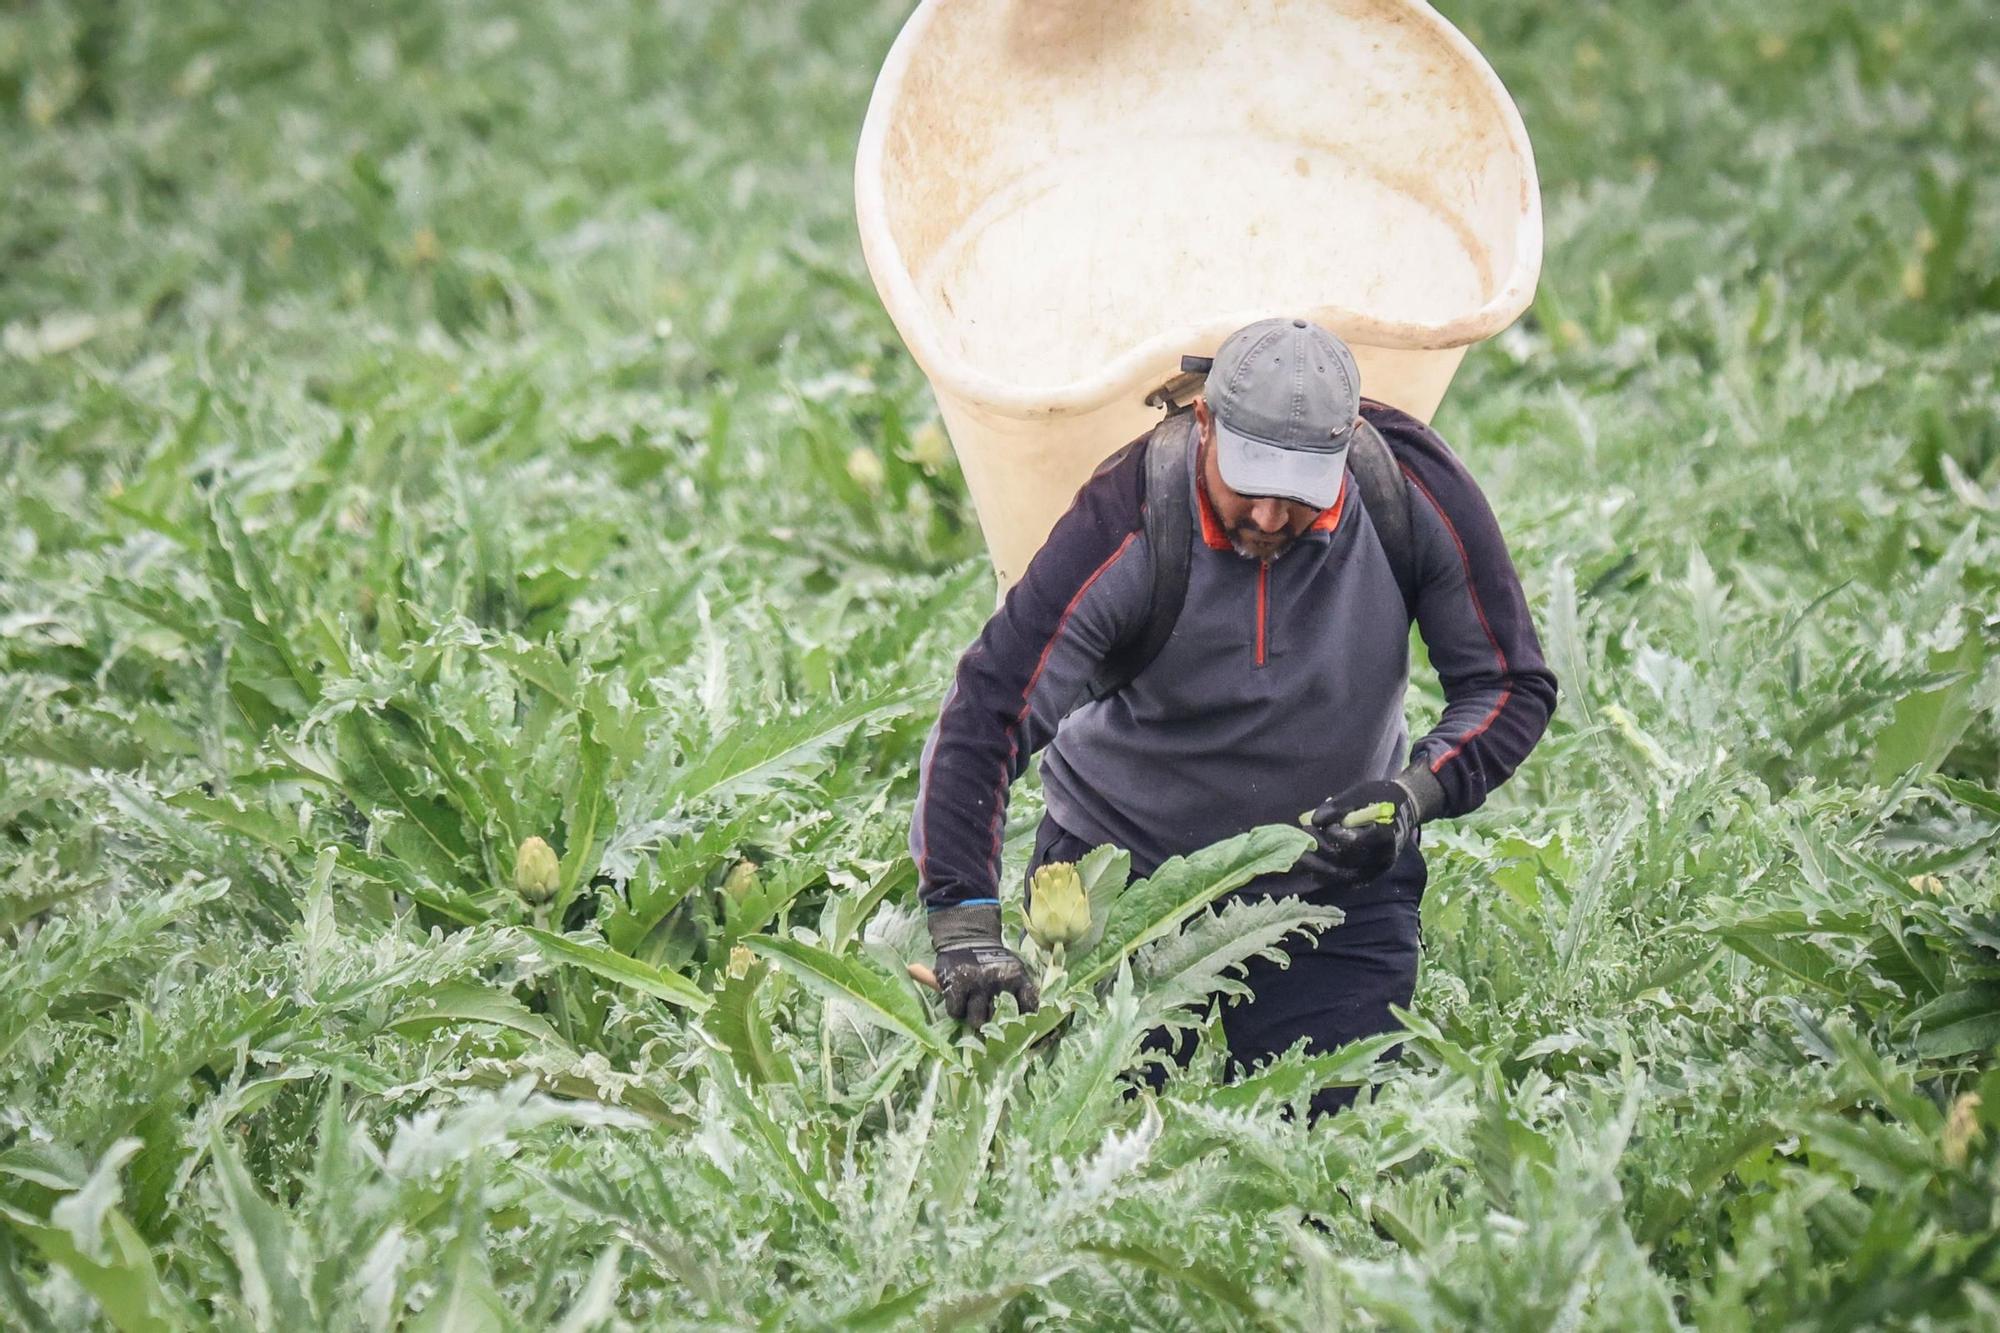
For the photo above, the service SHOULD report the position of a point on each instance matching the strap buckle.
(1170, 395)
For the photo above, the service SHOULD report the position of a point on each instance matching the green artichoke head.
(1059, 908)
(741, 881)
(536, 871)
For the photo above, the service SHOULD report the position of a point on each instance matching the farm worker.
(1282, 686)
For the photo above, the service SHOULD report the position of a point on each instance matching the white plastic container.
(1058, 198)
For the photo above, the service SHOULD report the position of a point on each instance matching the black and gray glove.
(974, 967)
(1349, 857)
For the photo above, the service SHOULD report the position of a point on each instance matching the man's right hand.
(971, 979)
(974, 967)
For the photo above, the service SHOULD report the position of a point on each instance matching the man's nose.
(1268, 514)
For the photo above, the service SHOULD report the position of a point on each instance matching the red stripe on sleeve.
(1471, 587)
(1028, 690)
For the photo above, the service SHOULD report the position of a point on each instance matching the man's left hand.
(1347, 857)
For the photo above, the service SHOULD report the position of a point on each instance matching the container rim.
(952, 374)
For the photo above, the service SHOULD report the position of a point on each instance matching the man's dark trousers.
(1338, 988)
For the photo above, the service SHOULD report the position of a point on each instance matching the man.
(1280, 689)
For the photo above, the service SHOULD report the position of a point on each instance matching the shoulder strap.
(1386, 493)
(1169, 452)
(1169, 529)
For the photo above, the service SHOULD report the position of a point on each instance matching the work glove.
(1349, 857)
(974, 967)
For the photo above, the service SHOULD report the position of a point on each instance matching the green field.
(425, 427)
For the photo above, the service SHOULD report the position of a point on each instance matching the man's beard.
(1236, 544)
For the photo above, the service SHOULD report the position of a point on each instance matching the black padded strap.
(1385, 491)
(1169, 529)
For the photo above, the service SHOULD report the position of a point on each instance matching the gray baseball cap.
(1284, 394)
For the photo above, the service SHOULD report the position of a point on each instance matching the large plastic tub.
(1058, 198)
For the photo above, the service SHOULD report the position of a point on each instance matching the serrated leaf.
(584, 810)
(754, 758)
(82, 1213)
(1155, 906)
(598, 1301)
(1104, 870)
(269, 1253)
(879, 998)
(232, 814)
(465, 1300)
(1073, 1099)
(849, 910)
(316, 932)
(739, 1023)
(1926, 724)
(428, 831)
(1881, 1154)
(125, 1284)
(50, 1165)
(772, 890)
(468, 1002)
(891, 1312)
(603, 962)
(770, 1140)
(1194, 963)
(1205, 1278)
(1957, 1023)
(1291, 1080)
(1968, 793)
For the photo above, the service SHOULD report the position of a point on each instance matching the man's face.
(1259, 527)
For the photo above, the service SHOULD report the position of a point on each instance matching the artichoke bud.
(741, 881)
(536, 872)
(1059, 909)
(1961, 1127)
(929, 449)
(866, 470)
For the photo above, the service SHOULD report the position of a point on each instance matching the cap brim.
(1251, 467)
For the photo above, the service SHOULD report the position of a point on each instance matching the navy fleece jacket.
(1282, 684)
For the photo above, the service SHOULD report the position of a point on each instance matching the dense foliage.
(428, 428)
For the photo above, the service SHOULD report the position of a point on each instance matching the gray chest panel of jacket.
(1206, 741)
